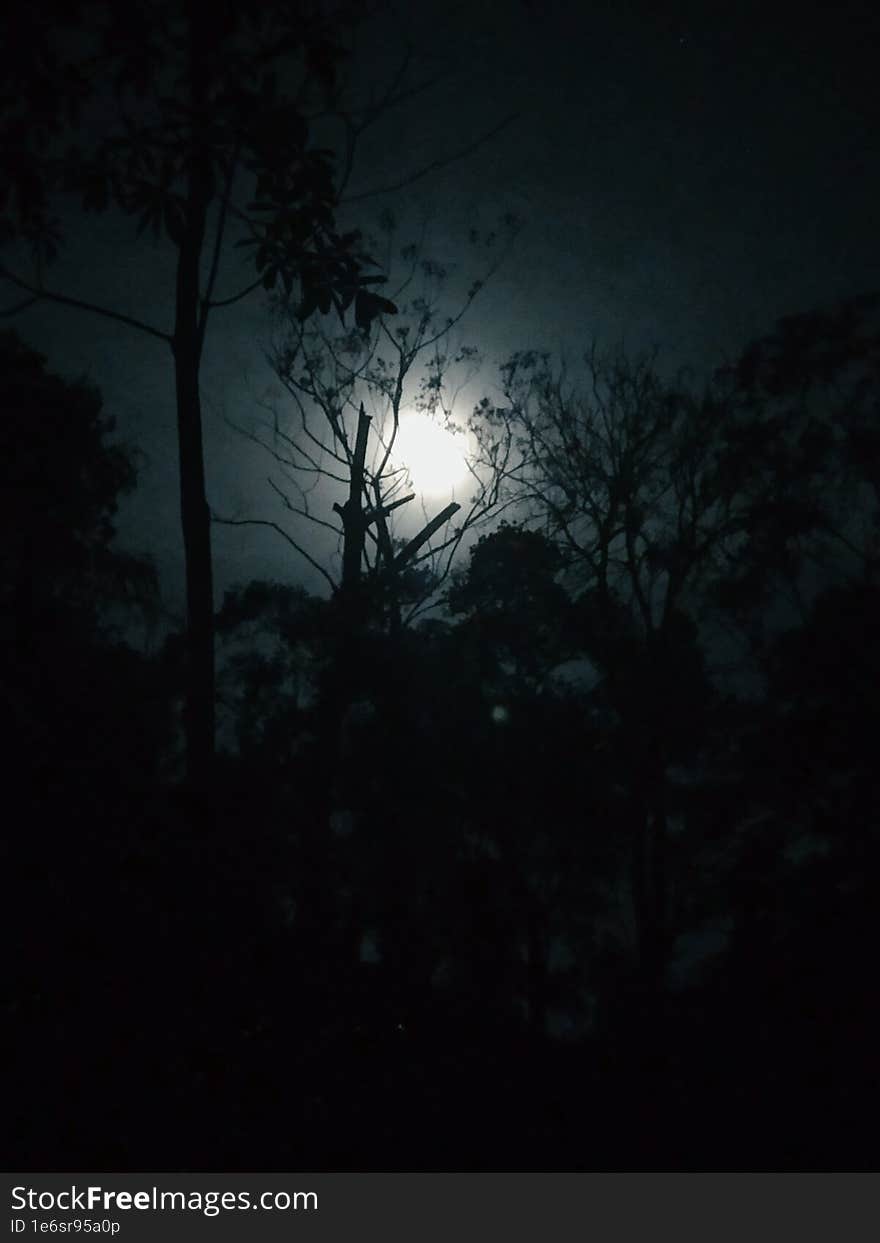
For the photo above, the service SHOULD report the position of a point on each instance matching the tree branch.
(433, 166)
(80, 305)
(207, 304)
(264, 522)
(19, 306)
(242, 293)
(409, 551)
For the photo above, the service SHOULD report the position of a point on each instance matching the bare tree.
(653, 494)
(334, 440)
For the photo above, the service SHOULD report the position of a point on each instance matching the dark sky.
(685, 177)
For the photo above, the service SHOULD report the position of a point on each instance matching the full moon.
(434, 457)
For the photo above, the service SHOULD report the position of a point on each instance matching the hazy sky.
(684, 179)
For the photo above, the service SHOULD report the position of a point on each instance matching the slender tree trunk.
(196, 522)
(352, 514)
(195, 515)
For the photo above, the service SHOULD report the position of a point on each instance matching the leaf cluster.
(202, 102)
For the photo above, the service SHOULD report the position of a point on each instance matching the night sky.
(684, 177)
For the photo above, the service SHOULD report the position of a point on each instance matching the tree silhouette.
(338, 386)
(616, 465)
(333, 458)
(206, 139)
(664, 503)
(61, 483)
(511, 595)
(817, 375)
(89, 728)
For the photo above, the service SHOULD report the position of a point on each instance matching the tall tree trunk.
(195, 515)
(196, 522)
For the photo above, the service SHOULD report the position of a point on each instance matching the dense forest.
(574, 870)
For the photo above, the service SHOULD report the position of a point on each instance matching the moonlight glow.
(434, 456)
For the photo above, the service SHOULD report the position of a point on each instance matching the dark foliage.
(461, 910)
